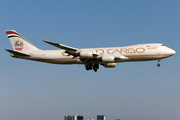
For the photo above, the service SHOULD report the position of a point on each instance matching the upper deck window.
(162, 45)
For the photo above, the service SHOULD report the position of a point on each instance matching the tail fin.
(18, 42)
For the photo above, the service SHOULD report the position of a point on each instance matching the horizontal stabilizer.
(17, 53)
(62, 46)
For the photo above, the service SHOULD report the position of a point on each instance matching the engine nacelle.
(110, 65)
(86, 54)
(107, 58)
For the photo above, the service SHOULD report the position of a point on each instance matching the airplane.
(90, 57)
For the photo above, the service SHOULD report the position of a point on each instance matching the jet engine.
(86, 54)
(110, 65)
(107, 58)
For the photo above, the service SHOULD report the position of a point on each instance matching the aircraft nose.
(171, 51)
(174, 52)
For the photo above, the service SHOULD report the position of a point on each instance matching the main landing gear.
(158, 63)
(90, 66)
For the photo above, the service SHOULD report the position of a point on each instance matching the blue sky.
(33, 90)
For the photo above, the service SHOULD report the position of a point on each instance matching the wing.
(88, 56)
(62, 46)
(70, 50)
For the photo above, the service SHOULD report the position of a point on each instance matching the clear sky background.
(141, 91)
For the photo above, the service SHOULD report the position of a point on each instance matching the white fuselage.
(90, 57)
(141, 52)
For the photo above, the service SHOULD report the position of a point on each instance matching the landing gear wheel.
(95, 70)
(95, 67)
(87, 68)
(158, 63)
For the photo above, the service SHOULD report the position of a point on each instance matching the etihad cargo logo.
(121, 51)
(116, 51)
(18, 45)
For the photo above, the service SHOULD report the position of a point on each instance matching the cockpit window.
(162, 45)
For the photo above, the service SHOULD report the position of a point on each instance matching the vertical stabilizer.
(18, 42)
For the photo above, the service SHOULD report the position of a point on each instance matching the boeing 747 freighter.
(90, 57)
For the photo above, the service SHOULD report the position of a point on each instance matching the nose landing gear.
(158, 63)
